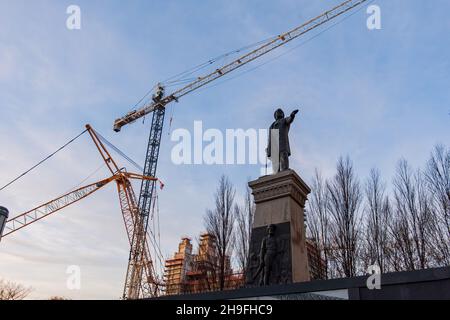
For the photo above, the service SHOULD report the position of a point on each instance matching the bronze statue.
(268, 252)
(278, 151)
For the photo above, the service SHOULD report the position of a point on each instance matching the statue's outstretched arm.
(291, 118)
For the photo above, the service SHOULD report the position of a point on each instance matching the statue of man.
(278, 149)
(267, 256)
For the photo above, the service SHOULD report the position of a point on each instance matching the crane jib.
(241, 61)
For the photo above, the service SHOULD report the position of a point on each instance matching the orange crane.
(157, 106)
(128, 204)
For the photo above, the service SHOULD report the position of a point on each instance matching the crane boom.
(25, 219)
(129, 208)
(241, 61)
(48, 208)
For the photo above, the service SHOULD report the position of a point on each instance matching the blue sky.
(374, 95)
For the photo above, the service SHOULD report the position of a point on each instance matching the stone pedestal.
(280, 201)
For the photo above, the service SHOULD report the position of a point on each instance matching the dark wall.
(428, 284)
(421, 284)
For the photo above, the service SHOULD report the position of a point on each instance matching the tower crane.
(158, 105)
(128, 204)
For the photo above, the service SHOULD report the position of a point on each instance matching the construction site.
(189, 272)
(202, 266)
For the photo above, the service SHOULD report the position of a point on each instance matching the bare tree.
(13, 291)
(413, 217)
(318, 222)
(244, 219)
(58, 298)
(402, 247)
(345, 221)
(408, 231)
(438, 181)
(219, 223)
(377, 217)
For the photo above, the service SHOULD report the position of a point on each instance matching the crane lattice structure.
(128, 204)
(157, 105)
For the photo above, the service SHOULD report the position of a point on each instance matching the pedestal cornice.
(283, 184)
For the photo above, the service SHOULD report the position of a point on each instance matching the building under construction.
(176, 267)
(187, 272)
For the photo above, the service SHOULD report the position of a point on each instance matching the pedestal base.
(280, 201)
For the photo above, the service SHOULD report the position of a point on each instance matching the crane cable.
(284, 53)
(87, 178)
(120, 152)
(152, 237)
(179, 76)
(153, 240)
(224, 56)
(156, 230)
(42, 161)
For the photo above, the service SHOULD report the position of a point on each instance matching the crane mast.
(134, 277)
(133, 281)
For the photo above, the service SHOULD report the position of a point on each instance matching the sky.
(375, 95)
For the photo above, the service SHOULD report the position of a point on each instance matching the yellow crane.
(128, 206)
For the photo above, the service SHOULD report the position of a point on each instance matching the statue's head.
(279, 114)
(271, 229)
